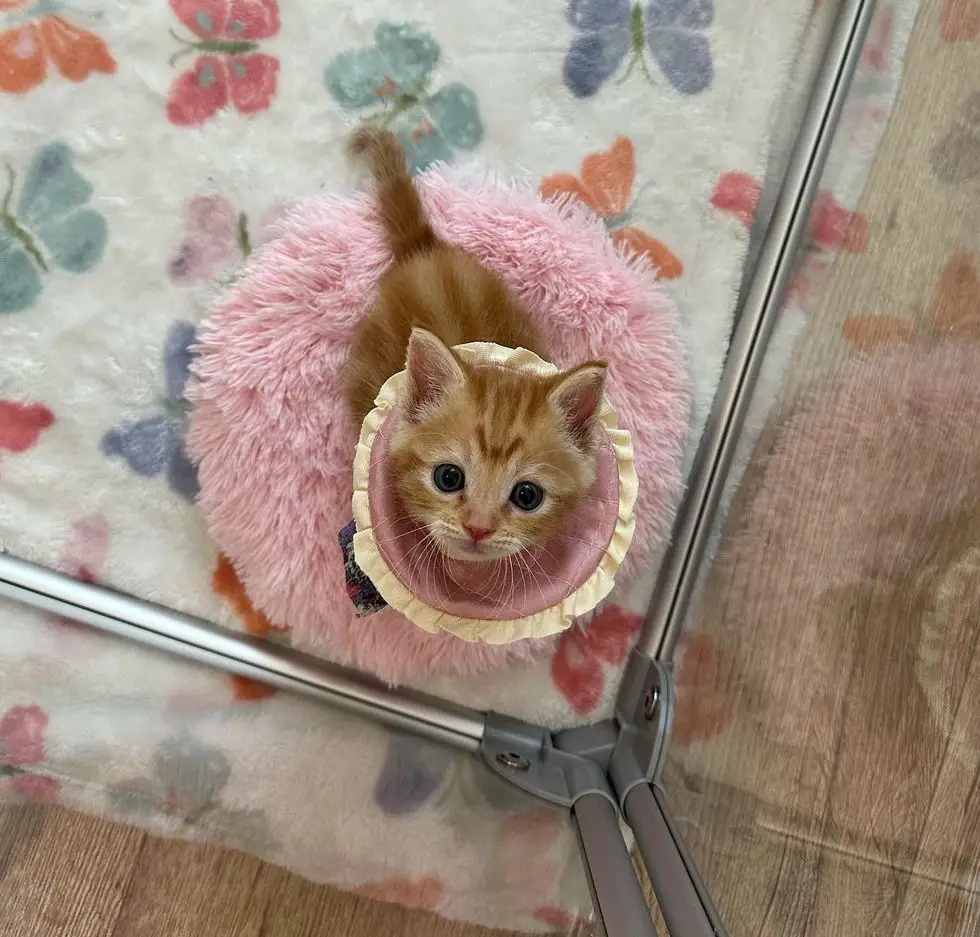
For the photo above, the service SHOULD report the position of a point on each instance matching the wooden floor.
(63, 874)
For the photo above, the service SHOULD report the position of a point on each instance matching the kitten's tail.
(409, 232)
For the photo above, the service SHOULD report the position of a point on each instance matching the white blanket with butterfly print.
(145, 147)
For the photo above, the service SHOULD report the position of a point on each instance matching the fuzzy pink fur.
(270, 430)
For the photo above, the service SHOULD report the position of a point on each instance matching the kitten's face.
(492, 462)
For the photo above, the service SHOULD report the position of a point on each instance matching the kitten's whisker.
(423, 558)
(508, 592)
(408, 533)
(423, 545)
(528, 576)
(538, 564)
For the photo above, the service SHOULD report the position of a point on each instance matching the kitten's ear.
(433, 373)
(577, 396)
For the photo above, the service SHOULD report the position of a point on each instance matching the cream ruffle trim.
(547, 622)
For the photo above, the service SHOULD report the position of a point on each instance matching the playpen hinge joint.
(559, 767)
(644, 713)
(608, 758)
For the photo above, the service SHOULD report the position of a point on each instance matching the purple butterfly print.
(413, 771)
(612, 31)
(599, 51)
(178, 353)
(154, 445)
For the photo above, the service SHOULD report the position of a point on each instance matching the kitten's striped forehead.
(497, 450)
(508, 407)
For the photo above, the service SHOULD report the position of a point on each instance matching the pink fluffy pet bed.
(274, 443)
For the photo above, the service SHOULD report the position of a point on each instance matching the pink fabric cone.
(270, 430)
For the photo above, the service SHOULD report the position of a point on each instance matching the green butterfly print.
(50, 227)
(393, 77)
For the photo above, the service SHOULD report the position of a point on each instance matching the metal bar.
(620, 905)
(200, 641)
(681, 894)
(692, 529)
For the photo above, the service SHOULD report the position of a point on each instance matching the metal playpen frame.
(599, 773)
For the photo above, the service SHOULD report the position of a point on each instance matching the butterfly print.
(85, 553)
(577, 667)
(611, 32)
(49, 226)
(416, 774)
(425, 893)
(703, 678)
(216, 236)
(225, 582)
(38, 37)
(21, 425)
(868, 101)
(247, 690)
(229, 69)
(22, 745)
(154, 445)
(953, 310)
(738, 194)
(526, 860)
(876, 53)
(390, 81)
(83, 557)
(955, 158)
(832, 229)
(605, 185)
(412, 774)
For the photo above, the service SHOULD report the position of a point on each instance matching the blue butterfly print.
(155, 445)
(413, 771)
(612, 31)
(392, 79)
(49, 227)
(418, 773)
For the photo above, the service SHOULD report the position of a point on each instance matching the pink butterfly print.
(211, 240)
(833, 228)
(215, 236)
(21, 425)
(577, 667)
(84, 555)
(524, 859)
(877, 48)
(561, 922)
(22, 744)
(230, 69)
(738, 194)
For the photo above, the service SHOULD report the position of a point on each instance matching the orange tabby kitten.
(488, 460)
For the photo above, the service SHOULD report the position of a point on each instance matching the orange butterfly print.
(606, 185)
(953, 310)
(225, 582)
(38, 36)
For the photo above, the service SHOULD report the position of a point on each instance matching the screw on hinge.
(513, 761)
(651, 703)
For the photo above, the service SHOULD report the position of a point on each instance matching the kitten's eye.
(448, 478)
(527, 496)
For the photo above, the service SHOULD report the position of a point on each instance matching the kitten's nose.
(477, 533)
